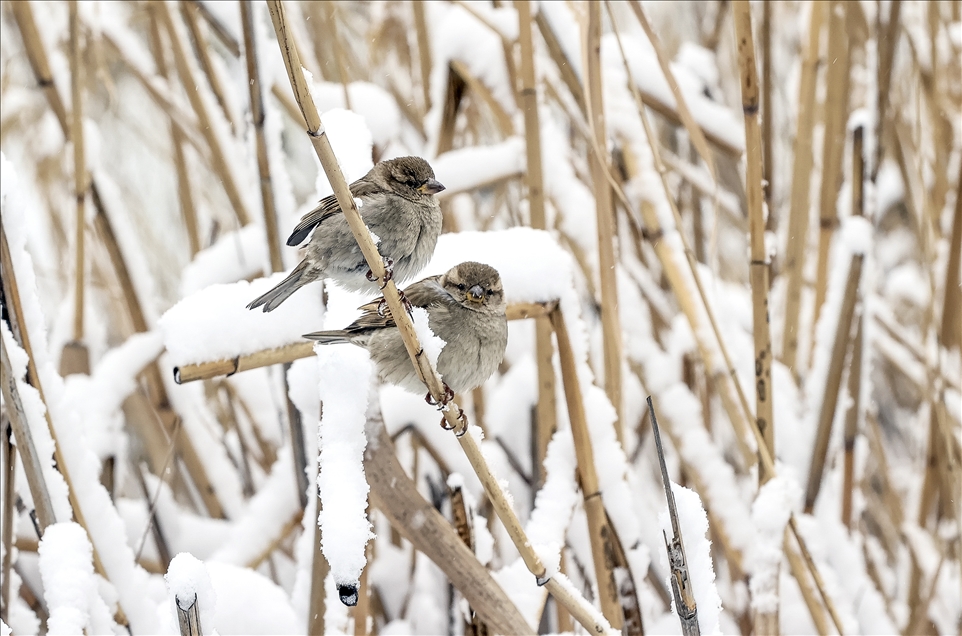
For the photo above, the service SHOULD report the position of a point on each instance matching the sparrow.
(465, 308)
(396, 201)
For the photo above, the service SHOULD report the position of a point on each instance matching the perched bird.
(465, 308)
(396, 201)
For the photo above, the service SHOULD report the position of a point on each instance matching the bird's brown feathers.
(327, 207)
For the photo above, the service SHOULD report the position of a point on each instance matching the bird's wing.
(327, 207)
(420, 294)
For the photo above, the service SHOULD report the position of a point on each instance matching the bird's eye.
(462, 286)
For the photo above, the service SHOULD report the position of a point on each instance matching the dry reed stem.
(9, 494)
(768, 159)
(599, 532)
(184, 196)
(833, 381)
(453, 94)
(851, 423)
(319, 571)
(461, 519)
(424, 52)
(217, 27)
(405, 326)
(477, 87)
(627, 589)
(565, 69)
(364, 606)
(217, 153)
(546, 418)
(257, 115)
(37, 56)
(759, 264)
(330, 22)
(728, 379)
(694, 130)
(32, 462)
(833, 146)
(606, 226)
(280, 534)
(950, 332)
(395, 495)
(887, 44)
(80, 175)
(797, 567)
(190, 12)
(799, 211)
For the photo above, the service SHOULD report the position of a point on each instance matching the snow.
(188, 582)
(467, 168)
(345, 374)
(770, 513)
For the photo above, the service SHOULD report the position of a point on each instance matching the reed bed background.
(761, 204)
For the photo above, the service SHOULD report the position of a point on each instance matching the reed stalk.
(37, 56)
(598, 529)
(184, 195)
(190, 12)
(188, 616)
(759, 264)
(201, 110)
(405, 326)
(606, 227)
(424, 51)
(319, 572)
(9, 494)
(768, 158)
(799, 212)
(218, 28)
(833, 146)
(887, 43)
(797, 566)
(75, 357)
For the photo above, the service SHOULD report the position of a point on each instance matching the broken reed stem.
(607, 228)
(833, 381)
(405, 326)
(184, 196)
(798, 216)
(727, 380)
(424, 51)
(217, 153)
(202, 49)
(759, 264)
(598, 530)
(9, 494)
(188, 618)
(79, 168)
(546, 418)
(257, 115)
(833, 145)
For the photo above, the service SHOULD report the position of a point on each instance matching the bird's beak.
(475, 294)
(431, 187)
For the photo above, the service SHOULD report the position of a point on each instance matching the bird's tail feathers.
(282, 291)
(338, 336)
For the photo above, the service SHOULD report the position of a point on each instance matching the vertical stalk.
(604, 210)
(886, 56)
(798, 216)
(424, 51)
(759, 264)
(319, 570)
(544, 349)
(768, 160)
(9, 494)
(833, 146)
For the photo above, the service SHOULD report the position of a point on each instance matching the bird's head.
(411, 177)
(476, 286)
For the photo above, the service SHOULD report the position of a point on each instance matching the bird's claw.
(462, 426)
(446, 397)
(388, 272)
(383, 309)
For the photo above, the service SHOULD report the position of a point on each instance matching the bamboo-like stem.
(79, 168)
(190, 12)
(37, 56)
(798, 215)
(886, 56)
(405, 326)
(218, 28)
(424, 51)
(694, 130)
(759, 264)
(768, 159)
(257, 115)
(319, 571)
(461, 518)
(546, 418)
(9, 494)
(188, 616)
(833, 382)
(184, 195)
(32, 463)
(797, 567)
(592, 500)
(606, 227)
(217, 153)
(950, 330)
(565, 69)
(478, 88)
(836, 113)
(363, 608)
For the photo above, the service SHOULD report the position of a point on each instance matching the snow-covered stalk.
(759, 263)
(9, 494)
(546, 418)
(257, 115)
(207, 370)
(184, 195)
(190, 12)
(75, 357)
(607, 233)
(565, 68)
(451, 414)
(424, 51)
(836, 114)
(796, 238)
(39, 63)
(319, 571)
(217, 152)
(598, 527)
(797, 566)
